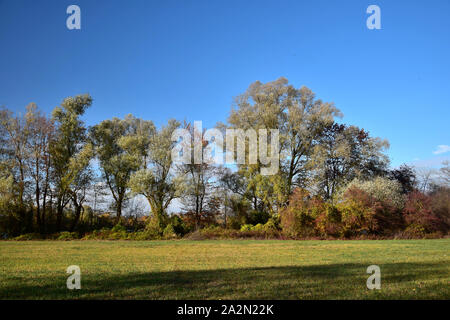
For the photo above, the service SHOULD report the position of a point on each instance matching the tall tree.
(69, 140)
(14, 148)
(116, 164)
(198, 179)
(41, 133)
(156, 179)
(300, 119)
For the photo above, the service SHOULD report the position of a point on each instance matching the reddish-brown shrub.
(419, 215)
(298, 218)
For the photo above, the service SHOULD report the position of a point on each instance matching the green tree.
(301, 120)
(68, 146)
(156, 179)
(116, 164)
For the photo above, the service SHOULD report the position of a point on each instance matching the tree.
(14, 158)
(70, 139)
(198, 181)
(406, 176)
(116, 164)
(344, 153)
(425, 178)
(15, 135)
(301, 120)
(79, 178)
(41, 133)
(155, 179)
(445, 173)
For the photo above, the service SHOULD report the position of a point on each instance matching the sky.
(187, 59)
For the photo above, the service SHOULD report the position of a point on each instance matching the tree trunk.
(59, 214)
(119, 210)
(77, 217)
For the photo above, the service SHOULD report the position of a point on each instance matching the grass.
(229, 269)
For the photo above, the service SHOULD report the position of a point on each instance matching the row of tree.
(54, 169)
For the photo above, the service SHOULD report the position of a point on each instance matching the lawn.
(234, 269)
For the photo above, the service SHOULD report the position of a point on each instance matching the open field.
(410, 269)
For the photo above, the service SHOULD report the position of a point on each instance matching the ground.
(229, 269)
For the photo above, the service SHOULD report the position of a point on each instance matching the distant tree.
(445, 173)
(425, 178)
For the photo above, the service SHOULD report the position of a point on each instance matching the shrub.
(169, 232)
(118, 228)
(384, 198)
(155, 227)
(380, 189)
(329, 222)
(272, 225)
(65, 235)
(298, 218)
(258, 217)
(357, 214)
(29, 236)
(179, 227)
(440, 203)
(144, 235)
(246, 227)
(419, 215)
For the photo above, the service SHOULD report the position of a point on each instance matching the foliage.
(344, 153)
(298, 218)
(380, 188)
(419, 215)
(68, 236)
(406, 176)
(60, 179)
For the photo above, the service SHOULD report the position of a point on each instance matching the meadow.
(228, 269)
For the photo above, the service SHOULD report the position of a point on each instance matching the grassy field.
(410, 269)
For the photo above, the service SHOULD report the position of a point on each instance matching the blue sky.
(187, 59)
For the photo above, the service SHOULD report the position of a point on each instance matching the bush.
(118, 228)
(381, 200)
(357, 214)
(419, 215)
(380, 189)
(169, 232)
(28, 236)
(298, 218)
(272, 225)
(179, 227)
(440, 203)
(258, 217)
(67, 236)
(329, 222)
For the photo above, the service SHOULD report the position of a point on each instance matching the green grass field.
(410, 269)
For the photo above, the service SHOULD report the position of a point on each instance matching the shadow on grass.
(333, 281)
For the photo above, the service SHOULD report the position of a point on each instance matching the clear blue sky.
(188, 58)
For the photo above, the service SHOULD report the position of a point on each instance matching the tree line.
(333, 179)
